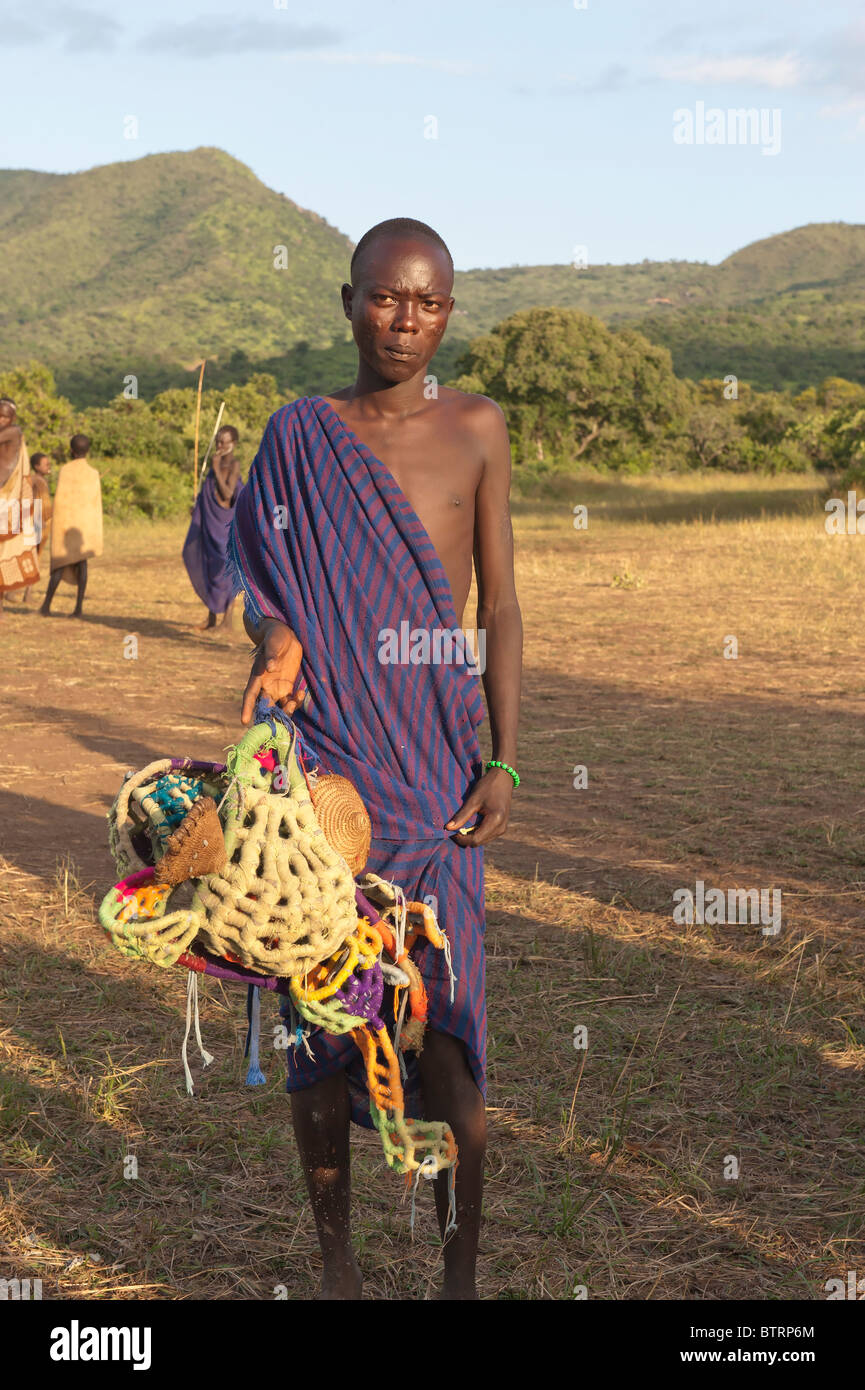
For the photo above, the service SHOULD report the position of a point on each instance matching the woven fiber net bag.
(285, 899)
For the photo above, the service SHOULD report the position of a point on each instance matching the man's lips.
(396, 351)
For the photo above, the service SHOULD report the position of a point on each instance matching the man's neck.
(387, 399)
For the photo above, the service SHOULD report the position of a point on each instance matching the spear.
(212, 441)
(197, 424)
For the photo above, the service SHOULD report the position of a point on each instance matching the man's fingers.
(275, 680)
(487, 830)
(293, 700)
(491, 825)
(466, 811)
(250, 695)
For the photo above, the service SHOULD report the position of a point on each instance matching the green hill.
(144, 266)
(782, 313)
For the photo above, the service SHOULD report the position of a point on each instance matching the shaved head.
(399, 228)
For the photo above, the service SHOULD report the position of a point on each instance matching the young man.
(204, 550)
(18, 567)
(76, 531)
(362, 512)
(40, 472)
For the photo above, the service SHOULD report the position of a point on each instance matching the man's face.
(399, 304)
(7, 417)
(43, 467)
(224, 442)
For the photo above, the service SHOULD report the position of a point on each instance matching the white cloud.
(385, 60)
(854, 106)
(213, 36)
(786, 70)
(79, 29)
(844, 57)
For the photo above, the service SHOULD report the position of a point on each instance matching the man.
(76, 531)
(18, 567)
(40, 472)
(204, 551)
(363, 510)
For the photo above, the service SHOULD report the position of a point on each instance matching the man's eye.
(431, 304)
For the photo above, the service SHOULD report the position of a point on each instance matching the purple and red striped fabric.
(325, 540)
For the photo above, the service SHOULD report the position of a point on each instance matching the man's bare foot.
(341, 1280)
(209, 622)
(45, 612)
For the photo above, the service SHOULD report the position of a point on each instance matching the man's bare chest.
(437, 470)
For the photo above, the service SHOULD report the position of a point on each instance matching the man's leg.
(53, 582)
(209, 622)
(450, 1093)
(82, 585)
(227, 617)
(321, 1115)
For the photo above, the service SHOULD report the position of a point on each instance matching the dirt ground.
(706, 1144)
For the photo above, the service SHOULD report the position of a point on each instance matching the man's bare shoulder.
(482, 415)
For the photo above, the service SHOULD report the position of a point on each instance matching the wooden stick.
(212, 441)
(197, 423)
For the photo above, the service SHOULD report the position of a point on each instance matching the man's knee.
(444, 1055)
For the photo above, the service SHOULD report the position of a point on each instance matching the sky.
(527, 133)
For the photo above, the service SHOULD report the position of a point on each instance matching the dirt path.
(704, 1041)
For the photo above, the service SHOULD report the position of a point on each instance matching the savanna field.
(710, 1048)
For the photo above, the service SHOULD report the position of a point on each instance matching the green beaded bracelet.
(505, 768)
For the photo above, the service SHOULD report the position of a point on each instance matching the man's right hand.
(275, 669)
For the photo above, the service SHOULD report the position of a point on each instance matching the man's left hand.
(490, 802)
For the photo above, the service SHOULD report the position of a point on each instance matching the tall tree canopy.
(569, 386)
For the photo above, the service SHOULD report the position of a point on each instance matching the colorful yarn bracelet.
(506, 768)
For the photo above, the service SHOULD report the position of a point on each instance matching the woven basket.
(344, 819)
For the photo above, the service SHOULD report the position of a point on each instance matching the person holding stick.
(204, 551)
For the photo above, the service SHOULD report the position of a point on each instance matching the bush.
(132, 489)
(129, 429)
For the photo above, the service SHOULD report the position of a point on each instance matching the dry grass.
(606, 1167)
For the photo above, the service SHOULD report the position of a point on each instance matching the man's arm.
(226, 480)
(498, 612)
(10, 446)
(500, 622)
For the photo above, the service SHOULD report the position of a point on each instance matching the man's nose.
(406, 317)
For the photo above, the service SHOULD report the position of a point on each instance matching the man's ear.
(346, 300)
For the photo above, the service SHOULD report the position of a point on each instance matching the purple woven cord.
(193, 765)
(362, 993)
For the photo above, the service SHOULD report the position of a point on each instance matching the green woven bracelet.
(505, 768)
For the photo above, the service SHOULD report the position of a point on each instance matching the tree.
(570, 387)
(835, 392)
(47, 419)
